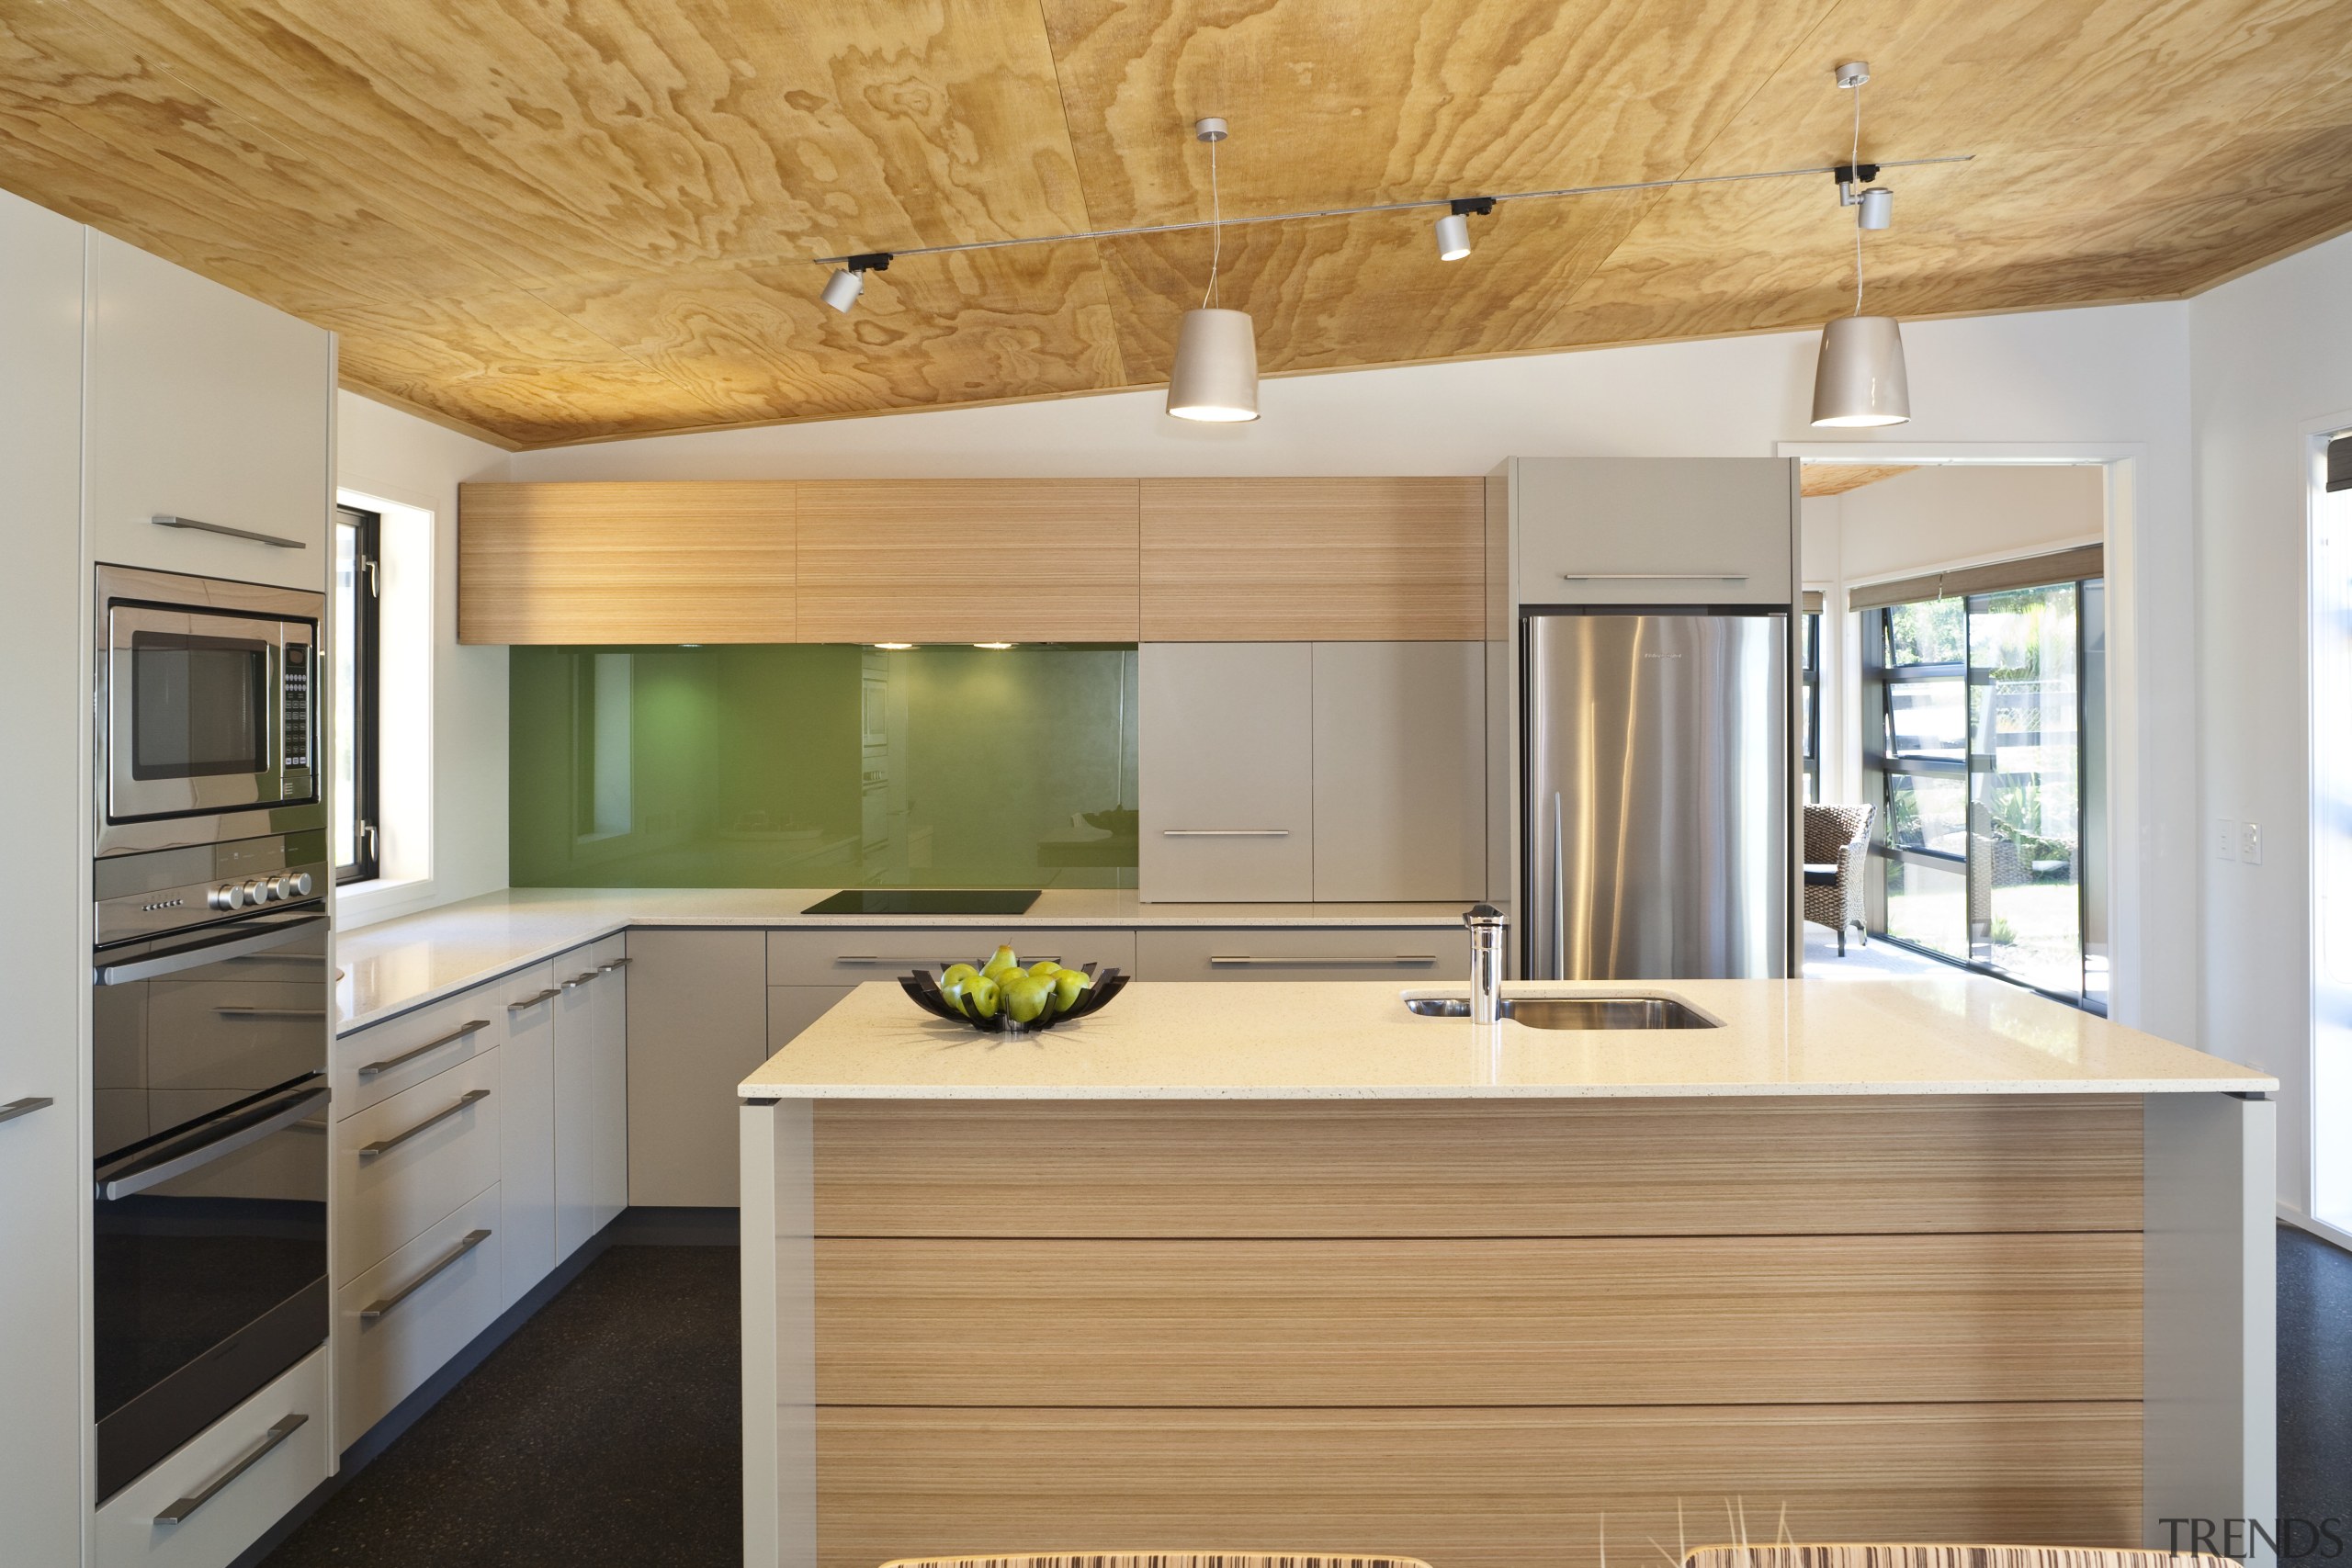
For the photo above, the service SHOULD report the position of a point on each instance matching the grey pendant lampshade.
(1859, 380)
(1216, 376)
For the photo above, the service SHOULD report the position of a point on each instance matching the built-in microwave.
(206, 710)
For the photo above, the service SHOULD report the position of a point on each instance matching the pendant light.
(1215, 379)
(1859, 380)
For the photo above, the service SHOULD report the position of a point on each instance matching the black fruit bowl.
(923, 986)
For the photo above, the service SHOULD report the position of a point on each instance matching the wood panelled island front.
(1466, 1330)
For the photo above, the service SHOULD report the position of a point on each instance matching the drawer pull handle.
(24, 1106)
(369, 1069)
(529, 1002)
(164, 520)
(615, 964)
(579, 980)
(385, 1145)
(1652, 576)
(280, 1430)
(377, 1308)
(1225, 833)
(1331, 960)
(234, 1012)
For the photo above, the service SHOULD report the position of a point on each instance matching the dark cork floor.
(606, 1431)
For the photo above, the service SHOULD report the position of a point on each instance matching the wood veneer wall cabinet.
(969, 560)
(1307, 560)
(701, 561)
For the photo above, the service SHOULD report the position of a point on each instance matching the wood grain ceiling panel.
(1392, 100)
(574, 221)
(757, 344)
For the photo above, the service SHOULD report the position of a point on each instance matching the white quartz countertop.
(1354, 1040)
(406, 962)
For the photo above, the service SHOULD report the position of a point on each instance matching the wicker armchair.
(1836, 838)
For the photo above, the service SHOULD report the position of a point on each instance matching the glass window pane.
(2022, 653)
(346, 842)
(1932, 631)
(1928, 905)
(1927, 813)
(1928, 718)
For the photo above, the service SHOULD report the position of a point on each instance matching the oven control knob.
(281, 886)
(228, 896)
(302, 884)
(257, 892)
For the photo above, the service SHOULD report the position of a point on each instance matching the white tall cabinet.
(132, 388)
(44, 961)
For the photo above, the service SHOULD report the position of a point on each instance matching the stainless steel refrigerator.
(1656, 792)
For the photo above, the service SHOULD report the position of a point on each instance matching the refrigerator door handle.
(1559, 896)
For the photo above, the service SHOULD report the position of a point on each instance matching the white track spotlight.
(1454, 229)
(842, 289)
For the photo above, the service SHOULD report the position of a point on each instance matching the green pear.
(954, 973)
(1044, 966)
(1003, 962)
(980, 996)
(1028, 997)
(1068, 985)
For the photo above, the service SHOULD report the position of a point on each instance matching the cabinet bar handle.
(616, 963)
(383, 1146)
(1382, 963)
(579, 980)
(1225, 833)
(281, 1429)
(377, 1308)
(1652, 576)
(164, 520)
(529, 1002)
(270, 1013)
(371, 1068)
(25, 1106)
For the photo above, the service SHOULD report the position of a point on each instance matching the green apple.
(1028, 997)
(980, 995)
(1068, 984)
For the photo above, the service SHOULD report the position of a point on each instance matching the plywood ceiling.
(1837, 478)
(564, 222)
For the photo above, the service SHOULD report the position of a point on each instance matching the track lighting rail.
(1452, 203)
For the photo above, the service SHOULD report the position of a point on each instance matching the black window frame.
(1811, 652)
(366, 634)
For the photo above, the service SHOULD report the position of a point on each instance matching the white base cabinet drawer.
(384, 1059)
(399, 1323)
(836, 956)
(405, 1163)
(1424, 956)
(248, 1469)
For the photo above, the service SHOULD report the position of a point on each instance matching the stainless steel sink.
(1577, 1012)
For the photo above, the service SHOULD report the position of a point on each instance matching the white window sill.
(359, 904)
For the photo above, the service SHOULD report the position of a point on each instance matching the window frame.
(364, 720)
(1810, 652)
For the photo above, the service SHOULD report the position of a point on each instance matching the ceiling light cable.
(1216, 222)
(1838, 170)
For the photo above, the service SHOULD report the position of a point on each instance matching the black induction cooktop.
(925, 901)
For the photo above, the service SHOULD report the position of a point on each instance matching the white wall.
(385, 453)
(2117, 374)
(2272, 358)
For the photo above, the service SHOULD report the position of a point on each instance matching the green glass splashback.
(822, 766)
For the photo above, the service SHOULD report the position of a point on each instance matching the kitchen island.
(1294, 1267)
